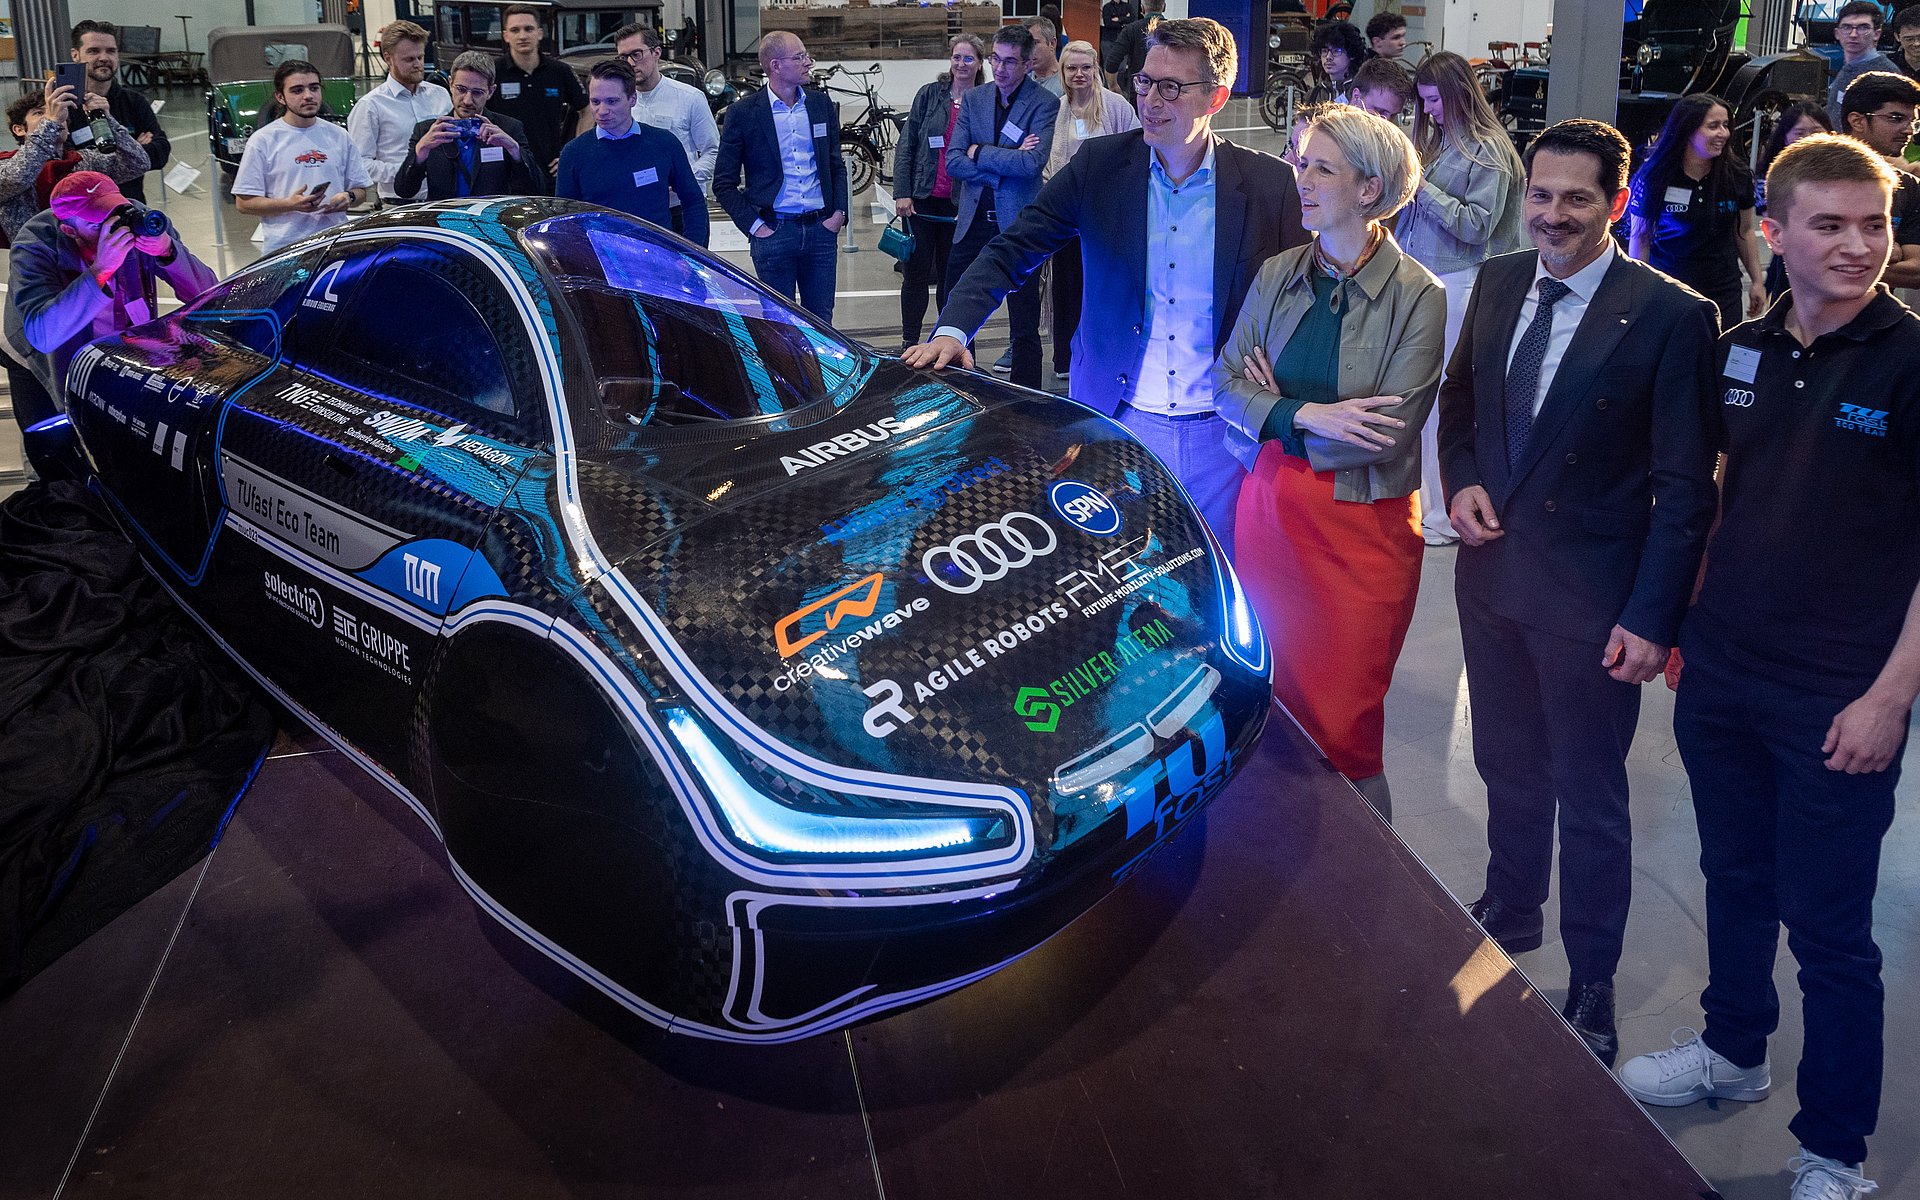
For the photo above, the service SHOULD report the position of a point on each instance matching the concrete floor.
(1440, 803)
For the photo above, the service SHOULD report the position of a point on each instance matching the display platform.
(1282, 1003)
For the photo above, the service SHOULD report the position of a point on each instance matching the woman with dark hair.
(924, 193)
(1691, 209)
(1338, 49)
(1471, 205)
(1798, 121)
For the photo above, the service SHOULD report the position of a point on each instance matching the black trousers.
(1551, 731)
(1068, 277)
(1785, 841)
(31, 405)
(932, 248)
(1023, 306)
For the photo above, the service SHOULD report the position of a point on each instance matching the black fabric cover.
(126, 736)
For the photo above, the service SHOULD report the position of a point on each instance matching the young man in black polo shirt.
(1801, 667)
(535, 89)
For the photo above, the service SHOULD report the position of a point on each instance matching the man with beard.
(382, 122)
(96, 45)
(490, 160)
(1574, 451)
(299, 173)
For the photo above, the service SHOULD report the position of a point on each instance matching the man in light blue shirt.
(786, 140)
(1159, 300)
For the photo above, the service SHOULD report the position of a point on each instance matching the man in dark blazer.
(1173, 223)
(794, 203)
(1575, 454)
(494, 162)
(1000, 143)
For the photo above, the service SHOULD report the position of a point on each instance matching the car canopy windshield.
(676, 338)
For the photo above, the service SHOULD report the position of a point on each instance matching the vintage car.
(764, 682)
(1673, 48)
(241, 60)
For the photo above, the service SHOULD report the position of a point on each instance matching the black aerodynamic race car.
(764, 682)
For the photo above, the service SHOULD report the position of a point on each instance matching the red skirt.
(1334, 583)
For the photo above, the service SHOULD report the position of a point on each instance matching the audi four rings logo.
(1738, 398)
(989, 552)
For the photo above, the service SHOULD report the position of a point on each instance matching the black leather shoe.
(1513, 929)
(1590, 1011)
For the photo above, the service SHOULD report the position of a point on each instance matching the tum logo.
(423, 578)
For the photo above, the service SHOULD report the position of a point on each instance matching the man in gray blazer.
(999, 145)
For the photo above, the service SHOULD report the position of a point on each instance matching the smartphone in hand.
(73, 75)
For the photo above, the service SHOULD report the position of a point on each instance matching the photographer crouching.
(88, 267)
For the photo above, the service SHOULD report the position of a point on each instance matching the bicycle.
(867, 142)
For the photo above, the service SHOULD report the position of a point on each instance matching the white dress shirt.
(1567, 311)
(801, 177)
(381, 126)
(682, 111)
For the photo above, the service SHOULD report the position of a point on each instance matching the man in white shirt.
(299, 173)
(382, 123)
(668, 104)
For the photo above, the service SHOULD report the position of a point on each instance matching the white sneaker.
(1690, 1071)
(1817, 1178)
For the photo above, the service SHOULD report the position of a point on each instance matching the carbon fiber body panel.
(762, 724)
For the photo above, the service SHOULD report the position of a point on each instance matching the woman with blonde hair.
(923, 195)
(1470, 207)
(1087, 110)
(1331, 370)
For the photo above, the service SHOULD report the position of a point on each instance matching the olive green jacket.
(1390, 345)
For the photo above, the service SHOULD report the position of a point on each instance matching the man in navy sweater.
(626, 165)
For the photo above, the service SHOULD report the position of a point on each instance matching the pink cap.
(86, 196)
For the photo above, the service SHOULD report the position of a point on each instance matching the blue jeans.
(1195, 451)
(798, 259)
(1784, 841)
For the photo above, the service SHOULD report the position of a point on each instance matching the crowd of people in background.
(1400, 333)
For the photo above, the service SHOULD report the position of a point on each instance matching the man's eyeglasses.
(805, 60)
(1900, 120)
(1169, 89)
(1010, 63)
(636, 55)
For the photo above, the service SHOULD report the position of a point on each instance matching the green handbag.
(897, 240)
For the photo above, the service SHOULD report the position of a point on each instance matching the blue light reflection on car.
(765, 824)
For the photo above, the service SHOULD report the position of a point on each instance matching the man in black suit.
(1173, 223)
(1579, 475)
(493, 162)
(787, 139)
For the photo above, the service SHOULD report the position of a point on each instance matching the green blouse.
(1307, 369)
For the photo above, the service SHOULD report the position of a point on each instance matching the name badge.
(509, 91)
(938, 141)
(819, 129)
(1012, 133)
(492, 154)
(1679, 195)
(646, 178)
(1080, 128)
(1743, 363)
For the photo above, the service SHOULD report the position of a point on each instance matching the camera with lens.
(138, 219)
